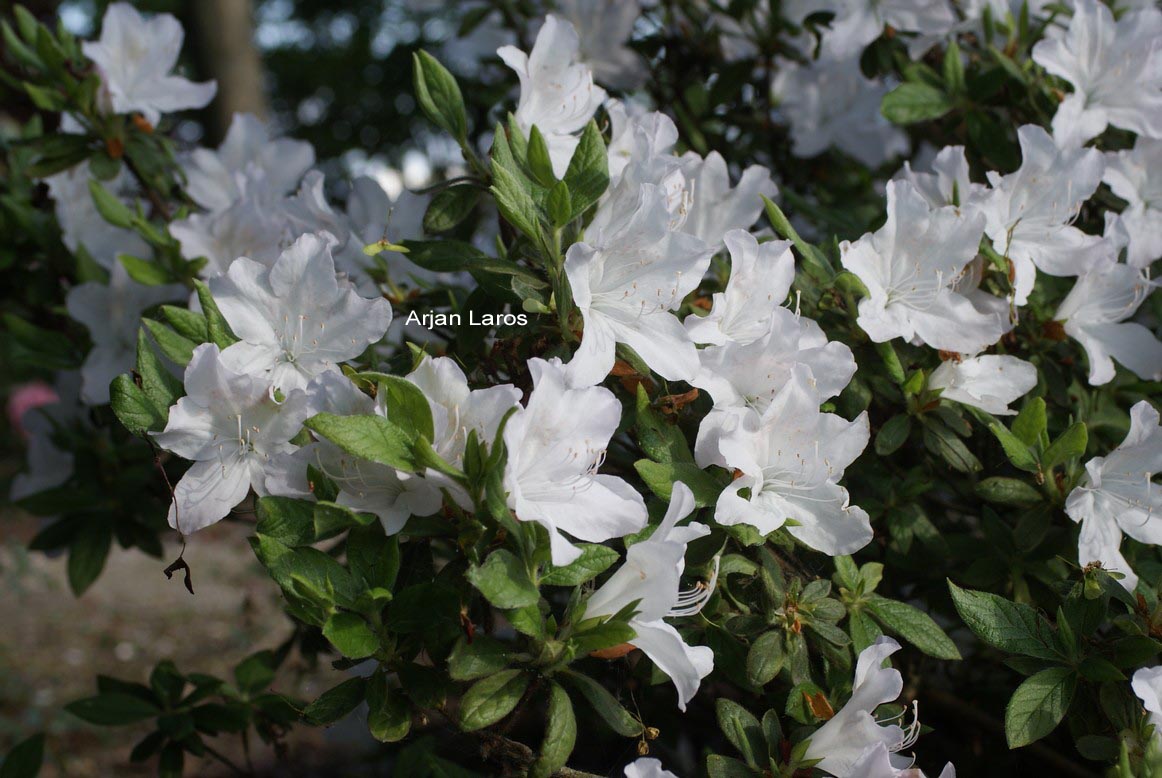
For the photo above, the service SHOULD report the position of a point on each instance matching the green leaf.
(588, 174)
(743, 731)
(336, 702)
(112, 710)
(661, 440)
(608, 709)
(1098, 670)
(171, 764)
(1015, 449)
(256, 672)
(863, 629)
(286, 519)
(1070, 444)
(915, 102)
(514, 202)
(310, 566)
(504, 581)
(943, 442)
(189, 324)
(594, 560)
(41, 348)
(445, 256)
(135, 411)
(388, 716)
(815, 260)
(476, 659)
(449, 208)
(1008, 491)
(109, 206)
(559, 205)
(87, 554)
(491, 699)
(1038, 705)
(765, 658)
(1010, 626)
(331, 519)
(369, 437)
(953, 68)
(540, 164)
(350, 633)
(373, 557)
(893, 434)
(25, 758)
(1030, 423)
(914, 626)
(661, 476)
(145, 271)
(158, 384)
(560, 734)
(891, 362)
(439, 95)
(718, 766)
(407, 407)
(167, 683)
(217, 327)
(176, 348)
(602, 636)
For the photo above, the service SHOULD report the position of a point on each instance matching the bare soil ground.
(52, 646)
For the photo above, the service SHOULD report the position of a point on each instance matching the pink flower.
(27, 397)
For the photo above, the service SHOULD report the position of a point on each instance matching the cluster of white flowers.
(286, 270)
(854, 743)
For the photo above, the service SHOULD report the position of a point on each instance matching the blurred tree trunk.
(226, 38)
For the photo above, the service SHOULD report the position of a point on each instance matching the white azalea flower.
(248, 160)
(911, 267)
(750, 375)
(948, 183)
(1029, 211)
(1115, 68)
(789, 461)
(308, 211)
(652, 574)
(627, 276)
(1147, 684)
(841, 741)
(1095, 313)
(135, 55)
(830, 103)
(989, 382)
(248, 228)
(296, 319)
(83, 226)
(458, 410)
(760, 280)
(636, 134)
(1118, 495)
(716, 209)
(1136, 177)
(230, 426)
(645, 767)
(112, 312)
(557, 93)
(554, 452)
(365, 486)
(859, 22)
(604, 28)
(876, 762)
